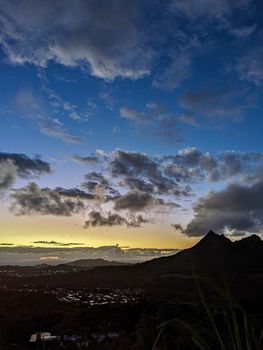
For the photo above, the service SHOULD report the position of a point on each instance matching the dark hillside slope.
(213, 254)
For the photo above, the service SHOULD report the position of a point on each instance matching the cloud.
(43, 113)
(99, 186)
(138, 169)
(175, 73)
(156, 120)
(134, 115)
(29, 255)
(134, 201)
(13, 165)
(62, 244)
(108, 99)
(189, 119)
(168, 129)
(178, 227)
(8, 174)
(214, 103)
(207, 10)
(60, 106)
(237, 208)
(26, 167)
(97, 218)
(244, 32)
(86, 33)
(35, 200)
(125, 161)
(53, 128)
(249, 67)
(85, 160)
(136, 181)
(73, 193)
(192, 165)
(97, 177)
(116, 38)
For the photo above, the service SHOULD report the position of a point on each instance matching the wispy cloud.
(53, 128)
(55, 243)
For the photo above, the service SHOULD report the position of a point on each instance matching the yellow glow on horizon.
(27, 229)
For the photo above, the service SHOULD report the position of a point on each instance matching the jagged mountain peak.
(212, 238)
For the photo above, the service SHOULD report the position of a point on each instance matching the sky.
(128, 129)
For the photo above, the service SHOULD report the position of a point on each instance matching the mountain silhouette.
(212, 254)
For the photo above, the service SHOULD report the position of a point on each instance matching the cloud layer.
(29, 255)
(132, 188)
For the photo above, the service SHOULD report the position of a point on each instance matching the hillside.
(213, 254)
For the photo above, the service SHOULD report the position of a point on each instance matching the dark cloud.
(99, 186)
(191, 165)
(85, 160)
(26, 167)
(134, 201)
(62, 244)
(97, 218)
(86, 33)
(134, 183)
(138, 163)
(139, 169)
(73, 193)
(214, 103)
(233, 163)
(96, 177)
(13, 165)
(8, 174)
(115, 38)
(159, 202)
(44, 201)
(237, 207)
(178, 227)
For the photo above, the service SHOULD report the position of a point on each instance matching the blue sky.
(162, 99)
